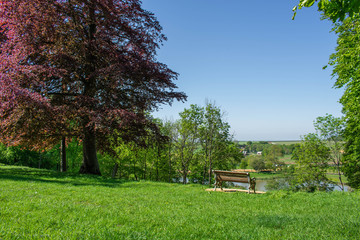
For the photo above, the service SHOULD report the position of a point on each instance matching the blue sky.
(263, 69)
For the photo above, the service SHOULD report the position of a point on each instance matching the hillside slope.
(40, 204)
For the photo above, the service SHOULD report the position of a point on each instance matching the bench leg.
(216, 182)
(252, 184)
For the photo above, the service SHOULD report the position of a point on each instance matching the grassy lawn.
(40, 204)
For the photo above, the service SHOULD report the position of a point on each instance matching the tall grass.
(40, 204)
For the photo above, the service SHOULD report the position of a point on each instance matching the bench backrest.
(242, 177)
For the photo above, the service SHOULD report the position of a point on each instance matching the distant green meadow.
(285, 142)
(41, 204)
(273, 142)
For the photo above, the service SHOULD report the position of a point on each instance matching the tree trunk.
(144, 176)
(184, 176)
(210, 167)
(120, 167)
(339, 172)
(90, 163)
(185, 172)
(39, 163)
(170, 163)
(204, 172)
(151, 171)
(205, 163)
(157, 163)
(115, 169)
(134, 165)
(63, 166)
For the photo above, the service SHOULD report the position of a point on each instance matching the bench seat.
(229, 176)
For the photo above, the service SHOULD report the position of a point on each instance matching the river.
(261, 186)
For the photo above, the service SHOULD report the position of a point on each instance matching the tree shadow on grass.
(47, 176)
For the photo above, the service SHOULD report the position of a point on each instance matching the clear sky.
(262, 68)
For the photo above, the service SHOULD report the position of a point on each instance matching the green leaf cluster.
(335, 10)
(311, 166)
(346, 71)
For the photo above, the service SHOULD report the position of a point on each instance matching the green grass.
(39, 204)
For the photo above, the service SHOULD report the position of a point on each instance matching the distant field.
(41, 204)
(285, 142)
(274, 142)
(287, 159)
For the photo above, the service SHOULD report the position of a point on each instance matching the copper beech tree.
(83, 68)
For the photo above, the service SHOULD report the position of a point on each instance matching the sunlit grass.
(40, 204)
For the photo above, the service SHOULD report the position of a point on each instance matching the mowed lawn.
(40, 204)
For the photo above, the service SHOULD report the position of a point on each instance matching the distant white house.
(259, 153)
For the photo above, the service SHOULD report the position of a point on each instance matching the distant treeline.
(182, 157)
(189, 150)
(255, 147)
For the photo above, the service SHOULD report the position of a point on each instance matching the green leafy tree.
(73, 155)
(336, 10)
(244, 163)
(123, 154)
(312, 157)
(169, 129)
(346, 71)
(256, 162)
(201, 142)
(16, 155)
(271, 156)
(345, 62)
(331, 131)
(288, 149)
(78, 68)
(215, 136)
(188, 141)
(249, 146)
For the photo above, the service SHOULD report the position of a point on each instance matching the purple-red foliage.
(68, 65)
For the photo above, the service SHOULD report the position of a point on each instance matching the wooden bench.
(227, 176)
